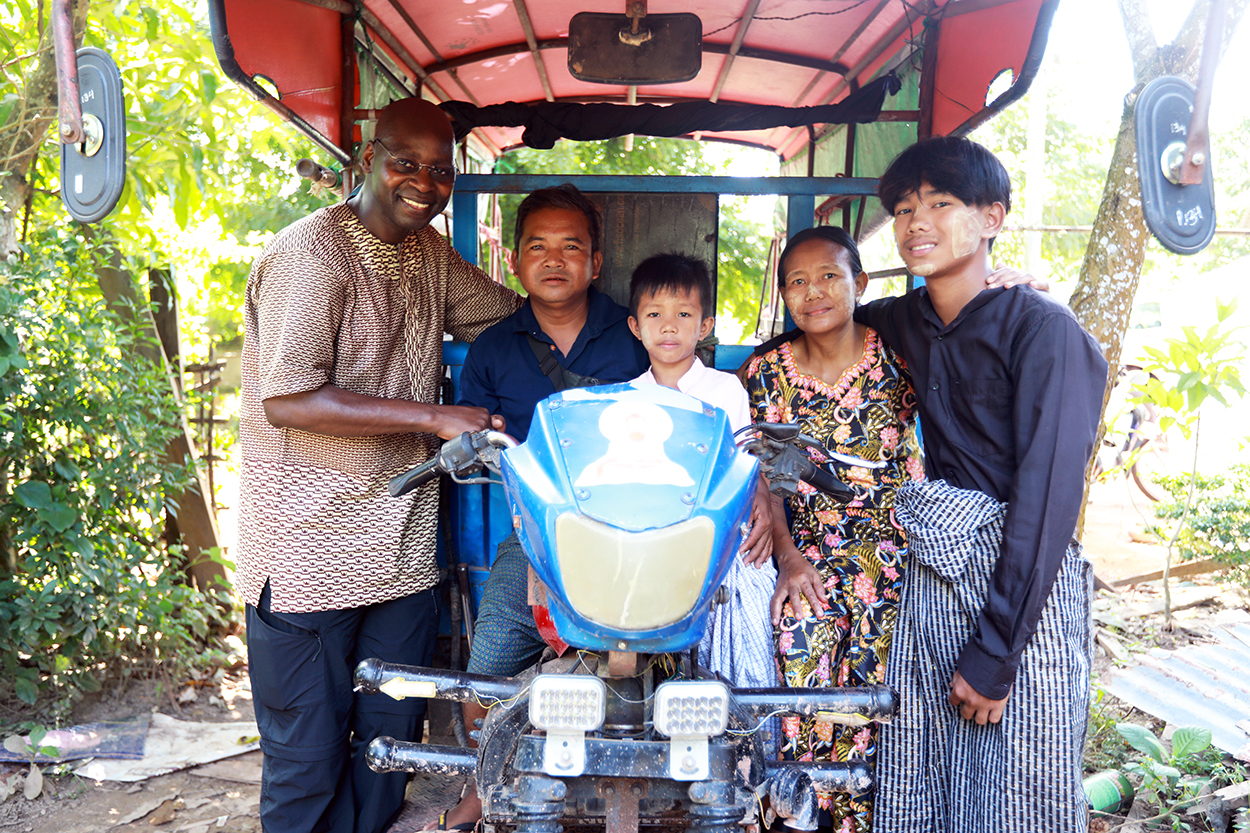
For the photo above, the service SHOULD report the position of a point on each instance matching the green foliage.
(1171, 781)
(1191, 370)
(1184, 376)
(1104, 747)
(89, 589)
(1218, 526)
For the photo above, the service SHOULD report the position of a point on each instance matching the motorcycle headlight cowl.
(609, 574)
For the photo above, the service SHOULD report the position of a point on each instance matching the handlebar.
(461, 456)
(402, 484)
(778, 446)
(823, 480)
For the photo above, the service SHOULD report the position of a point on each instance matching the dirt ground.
(187, 801)
(223, 796)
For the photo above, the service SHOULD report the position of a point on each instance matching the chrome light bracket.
(688, 759)
(564, 754)
(566, 706)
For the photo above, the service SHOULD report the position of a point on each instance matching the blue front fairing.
(640, 461)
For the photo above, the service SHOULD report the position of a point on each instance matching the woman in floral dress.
(840, 563)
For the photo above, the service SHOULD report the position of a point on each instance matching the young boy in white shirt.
(671, 310)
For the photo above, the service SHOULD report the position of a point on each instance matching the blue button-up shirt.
(501, 373)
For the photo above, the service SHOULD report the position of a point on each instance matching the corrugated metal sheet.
(1205, 685)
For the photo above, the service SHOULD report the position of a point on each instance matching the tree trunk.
(1111, 271)
(196, 520)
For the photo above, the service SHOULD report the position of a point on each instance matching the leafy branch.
(1185, 376)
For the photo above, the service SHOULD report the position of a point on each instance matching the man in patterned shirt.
(345, 315)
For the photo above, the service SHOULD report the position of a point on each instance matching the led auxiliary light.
(692, 709)
(566, 707)
(689, 713)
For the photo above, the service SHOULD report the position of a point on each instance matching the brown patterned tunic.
(330, 303)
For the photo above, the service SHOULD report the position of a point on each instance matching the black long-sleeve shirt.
(1010, 394)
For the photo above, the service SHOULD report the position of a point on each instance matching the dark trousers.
(314, 729)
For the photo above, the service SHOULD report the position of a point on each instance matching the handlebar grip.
(809, 472)
(402, 484)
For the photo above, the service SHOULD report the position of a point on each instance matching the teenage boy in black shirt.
(992, 648)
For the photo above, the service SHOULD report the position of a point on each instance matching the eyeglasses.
(438, 173)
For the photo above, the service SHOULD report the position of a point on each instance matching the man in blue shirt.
(566, 331)
(557, 257)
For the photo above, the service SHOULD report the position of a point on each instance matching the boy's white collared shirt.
(714, 387)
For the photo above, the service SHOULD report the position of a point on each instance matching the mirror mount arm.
(635, 10)
(1197, 140)
(70, 130)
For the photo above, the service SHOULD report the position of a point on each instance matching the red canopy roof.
(784, 52)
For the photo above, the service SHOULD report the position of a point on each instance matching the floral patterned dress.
(856, 547)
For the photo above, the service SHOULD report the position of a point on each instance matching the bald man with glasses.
(344, 321)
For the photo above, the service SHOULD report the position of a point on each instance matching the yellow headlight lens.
(633, 580)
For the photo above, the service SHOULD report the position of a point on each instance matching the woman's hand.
(796, 579)
(757, 548)
(1006, 277)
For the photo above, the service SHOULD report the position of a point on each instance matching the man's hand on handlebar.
(454, 420)
(757, 547)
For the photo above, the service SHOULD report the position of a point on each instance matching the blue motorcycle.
(630, 504)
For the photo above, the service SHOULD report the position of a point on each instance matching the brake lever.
(778, 447)
(459, 458)
(778, 434)
(490, 445)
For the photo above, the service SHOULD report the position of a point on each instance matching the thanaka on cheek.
(966, 233)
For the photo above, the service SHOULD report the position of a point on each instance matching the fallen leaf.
(141, 810)
(34, 784)
(188, 695)
(166, 812)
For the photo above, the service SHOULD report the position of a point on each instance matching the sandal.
(442, 824)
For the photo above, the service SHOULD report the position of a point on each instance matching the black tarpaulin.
(546, 122)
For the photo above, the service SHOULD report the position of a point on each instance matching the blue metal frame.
(479, 514)
(802, 192)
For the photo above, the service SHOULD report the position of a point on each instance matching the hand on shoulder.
(1007, 277)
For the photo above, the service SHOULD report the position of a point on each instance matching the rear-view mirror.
(666, 49)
